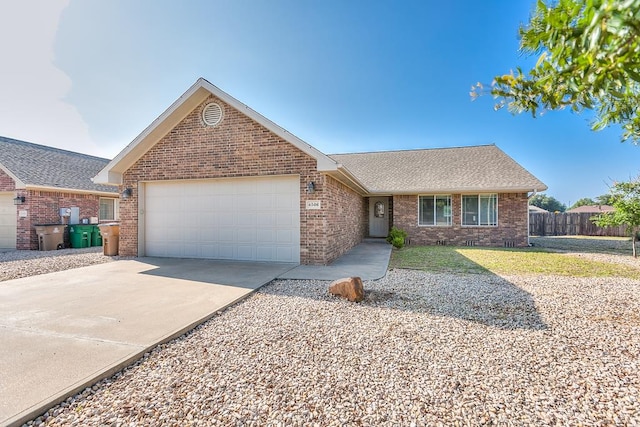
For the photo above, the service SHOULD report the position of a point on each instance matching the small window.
(480, 209)
(379, 210)
(434, 210)
(108, 210)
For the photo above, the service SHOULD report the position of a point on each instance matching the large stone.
(350, 288)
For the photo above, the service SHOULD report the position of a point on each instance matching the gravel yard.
(16, 264)
(422, 349)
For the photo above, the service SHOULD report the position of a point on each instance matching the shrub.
(397, 237)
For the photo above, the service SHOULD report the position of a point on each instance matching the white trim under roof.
(194, 96)
(108, 194)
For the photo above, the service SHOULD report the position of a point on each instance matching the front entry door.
(378, 216)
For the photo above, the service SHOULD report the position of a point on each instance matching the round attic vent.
(212, 114)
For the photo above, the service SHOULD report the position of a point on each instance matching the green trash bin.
(80, 235)
(96, 237)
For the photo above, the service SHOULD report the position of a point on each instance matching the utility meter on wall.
(65, 211)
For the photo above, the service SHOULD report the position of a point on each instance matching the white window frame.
(478, 195)
(116, 206)
(435, 223)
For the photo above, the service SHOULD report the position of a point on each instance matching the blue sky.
(345, 76)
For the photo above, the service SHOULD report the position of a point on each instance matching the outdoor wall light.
(18, 200)
(128, 192)
(311, 187)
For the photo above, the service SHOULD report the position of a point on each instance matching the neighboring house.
(536, 209)
(595, 209)
(36, 181)
(211, 178)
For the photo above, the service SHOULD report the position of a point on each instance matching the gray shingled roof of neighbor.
(592, 209)
(441, 170)
(42, 166)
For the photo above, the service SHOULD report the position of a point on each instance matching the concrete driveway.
(63, 331)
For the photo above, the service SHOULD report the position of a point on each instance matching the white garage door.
(7, 222)
(256, 219)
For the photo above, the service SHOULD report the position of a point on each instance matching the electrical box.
(74, 218)
(65, 211)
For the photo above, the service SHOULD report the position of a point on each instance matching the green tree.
(585, 201)
(605, 199)
(549, 203)
(588, 59)
(625, 198)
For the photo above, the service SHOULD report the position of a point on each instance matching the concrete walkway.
(369, 261)
(64, 331)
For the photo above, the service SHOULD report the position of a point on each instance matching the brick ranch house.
(36, 181)
(211, 178)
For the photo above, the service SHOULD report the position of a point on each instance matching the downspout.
(529, 217)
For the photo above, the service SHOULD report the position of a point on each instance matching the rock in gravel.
(350, 288)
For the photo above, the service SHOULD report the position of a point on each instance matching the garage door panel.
(266, 219)
(245, 202)
(8, 222)
(284, 237)
(244, 219)
(285, 220)
(266, 236)
(283, 201)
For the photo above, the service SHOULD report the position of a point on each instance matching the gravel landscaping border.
(422, 349)
(17, 264)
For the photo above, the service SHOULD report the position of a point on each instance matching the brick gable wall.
(237, 147)
(6, 182)
(512, 223)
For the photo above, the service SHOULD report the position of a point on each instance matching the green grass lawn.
(534, 261)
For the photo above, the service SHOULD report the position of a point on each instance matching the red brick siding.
(237, 147)
(512, 223)
(6, 182)
(43, 207)
(346, 214)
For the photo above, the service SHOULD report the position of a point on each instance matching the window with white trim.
(480, 209)
(434, 210)
(108, 209)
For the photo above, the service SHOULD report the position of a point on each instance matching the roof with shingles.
(39, 165)
(592, 209)
(439, 170)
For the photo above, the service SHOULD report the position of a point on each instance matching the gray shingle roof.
(461, 169)
(39, 165)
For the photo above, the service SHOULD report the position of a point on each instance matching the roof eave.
(466, 190)
(71, 190)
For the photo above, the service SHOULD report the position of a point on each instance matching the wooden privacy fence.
(569, 224)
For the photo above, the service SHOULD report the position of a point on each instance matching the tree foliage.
(548, 203)
(585, 201)
(605, 199)
(588, 59)
(625, 198)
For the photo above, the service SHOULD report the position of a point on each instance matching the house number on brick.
(313, 204)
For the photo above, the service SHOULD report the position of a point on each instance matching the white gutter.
(529, 217)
